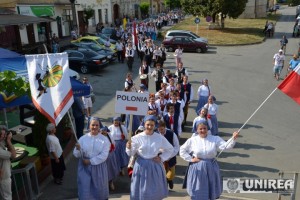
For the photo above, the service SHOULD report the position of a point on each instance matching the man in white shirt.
(278, 61)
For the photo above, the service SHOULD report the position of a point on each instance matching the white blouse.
(149, 146)
(205, 148)
(203, 90)
(95, 148)
(115, 132)
(212, 108)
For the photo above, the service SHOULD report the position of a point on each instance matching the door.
(30, 34)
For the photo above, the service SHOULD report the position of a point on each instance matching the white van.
(190, 34)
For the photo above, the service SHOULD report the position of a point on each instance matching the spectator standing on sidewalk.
(56, 154)
(7, 152)
(55, 43)
(87, 100)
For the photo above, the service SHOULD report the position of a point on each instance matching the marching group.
(148, 151)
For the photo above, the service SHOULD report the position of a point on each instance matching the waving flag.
(50, 84)
(291, 85)
(134, 35)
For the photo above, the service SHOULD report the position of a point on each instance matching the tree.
(173, 4)
(144, 9)
(11, 84)
(230, 8)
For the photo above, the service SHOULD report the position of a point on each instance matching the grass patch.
(236, 31)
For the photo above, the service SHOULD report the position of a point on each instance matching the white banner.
(50, 84)
(131, 103)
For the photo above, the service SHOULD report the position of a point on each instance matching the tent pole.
(5, 117)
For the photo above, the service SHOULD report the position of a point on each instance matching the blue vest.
(169, 136)
(175, 124)
(188, 88)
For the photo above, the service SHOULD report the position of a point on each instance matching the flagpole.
(231, 139)
(130, 127)
(74, 131)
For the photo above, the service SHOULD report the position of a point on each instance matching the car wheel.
(170, 49)
(199, 50)
(84, 69)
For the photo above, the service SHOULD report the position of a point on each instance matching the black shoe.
(171, 184)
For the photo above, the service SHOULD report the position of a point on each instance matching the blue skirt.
(120, 152)
(92, 181)
(214, 122)
(204, 180)
(148, 180)
(112, 166)
(201, 102)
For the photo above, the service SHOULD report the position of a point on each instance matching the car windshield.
(197, 36)
(100, 41)
(95, 47)
(90, 54)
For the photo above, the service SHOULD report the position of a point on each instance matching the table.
(23, 134)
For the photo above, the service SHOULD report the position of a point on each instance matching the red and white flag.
(291, 85)
(134, 35)
(50, 84)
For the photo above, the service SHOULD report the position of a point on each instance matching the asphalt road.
(241, 78)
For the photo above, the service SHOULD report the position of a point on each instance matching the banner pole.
(231, 139)
(130, 127)
(74, 131)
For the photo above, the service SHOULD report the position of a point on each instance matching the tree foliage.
(172, 4)
(231, 8)
(10, 83)
(144, 6)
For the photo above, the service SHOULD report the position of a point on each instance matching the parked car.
(110, 32)
(85, 60)
(186, 43)
(173, 33)
(94, 39)
(89, 45)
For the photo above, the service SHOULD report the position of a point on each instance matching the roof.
(9, 20)
(181, 31)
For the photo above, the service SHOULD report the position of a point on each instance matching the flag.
(124, 23)
(291, 85)
(134, 35)
(50, 85)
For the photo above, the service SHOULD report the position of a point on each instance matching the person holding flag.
(203, 180)
(92, 151)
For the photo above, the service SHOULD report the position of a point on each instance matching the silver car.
(190, 34)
